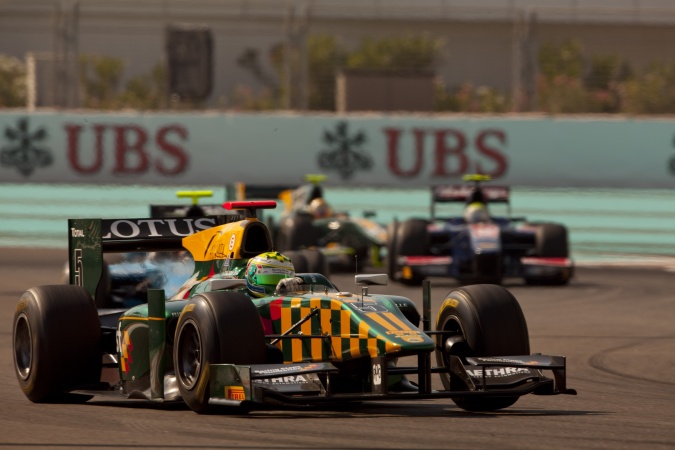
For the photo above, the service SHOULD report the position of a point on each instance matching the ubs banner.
(373, 150)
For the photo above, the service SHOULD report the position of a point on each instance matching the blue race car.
(477, 247)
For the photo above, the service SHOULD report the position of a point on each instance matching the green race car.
(216, 348)
(345, 240)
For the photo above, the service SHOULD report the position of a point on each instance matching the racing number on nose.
(377, 374)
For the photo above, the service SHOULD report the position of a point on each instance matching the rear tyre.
(56, 343)
(412, 239)
(392, 267)
(480, 320)
(296, 232)
(300, 263)
(316, 262)
(551, 242)
(215, 328)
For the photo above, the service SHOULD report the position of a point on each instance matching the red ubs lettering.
(133, 151)
(450, 152)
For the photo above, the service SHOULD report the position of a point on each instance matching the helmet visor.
(269, 279)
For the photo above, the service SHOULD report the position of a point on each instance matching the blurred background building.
(343, 55)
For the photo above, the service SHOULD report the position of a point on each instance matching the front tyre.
(480, 320)
(56, 343)
(215, 328)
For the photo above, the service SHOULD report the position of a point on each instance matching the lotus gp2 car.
(477, 247)
(216, 348)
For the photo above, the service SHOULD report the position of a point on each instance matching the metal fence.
(267, 54)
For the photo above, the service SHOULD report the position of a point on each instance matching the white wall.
(383, 150)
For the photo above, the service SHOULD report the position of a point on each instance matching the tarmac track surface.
(615, 325)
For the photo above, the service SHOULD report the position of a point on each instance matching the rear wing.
(243, 191)
(171, 211)
(89, 239)
(462, 193)
(193, 210)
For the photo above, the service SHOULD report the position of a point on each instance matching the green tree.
(564, 60)
(326, 57)
(559, 83)
(146, 91)
(408, 53)
(651, 93)
(100, 77)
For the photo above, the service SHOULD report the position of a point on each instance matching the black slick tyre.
(392, 267)
(300, 262)
(316, 262)
(56, 337)
(412, 239)
(551, 242)
(215, 328)
(480, 320)
(296, 232)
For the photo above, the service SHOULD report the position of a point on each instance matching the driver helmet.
(264, 271)
(319, 208)
(476, 212)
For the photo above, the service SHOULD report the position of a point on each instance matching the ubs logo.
(24, 151)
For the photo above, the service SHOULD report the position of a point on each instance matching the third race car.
(476, 246)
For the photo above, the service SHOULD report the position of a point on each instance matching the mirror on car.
(380, 279)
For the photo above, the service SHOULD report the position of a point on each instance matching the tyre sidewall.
(65, 341)
(492, 324)
(392, 266)
(230, 331)
(197, 313)
(412, 239)
(316, 262)
(296, 232)
(551, 241)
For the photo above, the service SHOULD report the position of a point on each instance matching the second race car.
(477, 247)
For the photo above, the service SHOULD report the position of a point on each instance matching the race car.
(477, 246)
(309, 222)
(218, 349)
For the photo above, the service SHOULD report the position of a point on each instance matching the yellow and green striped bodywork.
(353, 328)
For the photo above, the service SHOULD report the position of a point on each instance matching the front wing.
(310, 383)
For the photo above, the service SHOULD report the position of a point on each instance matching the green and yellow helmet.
(264, 271)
